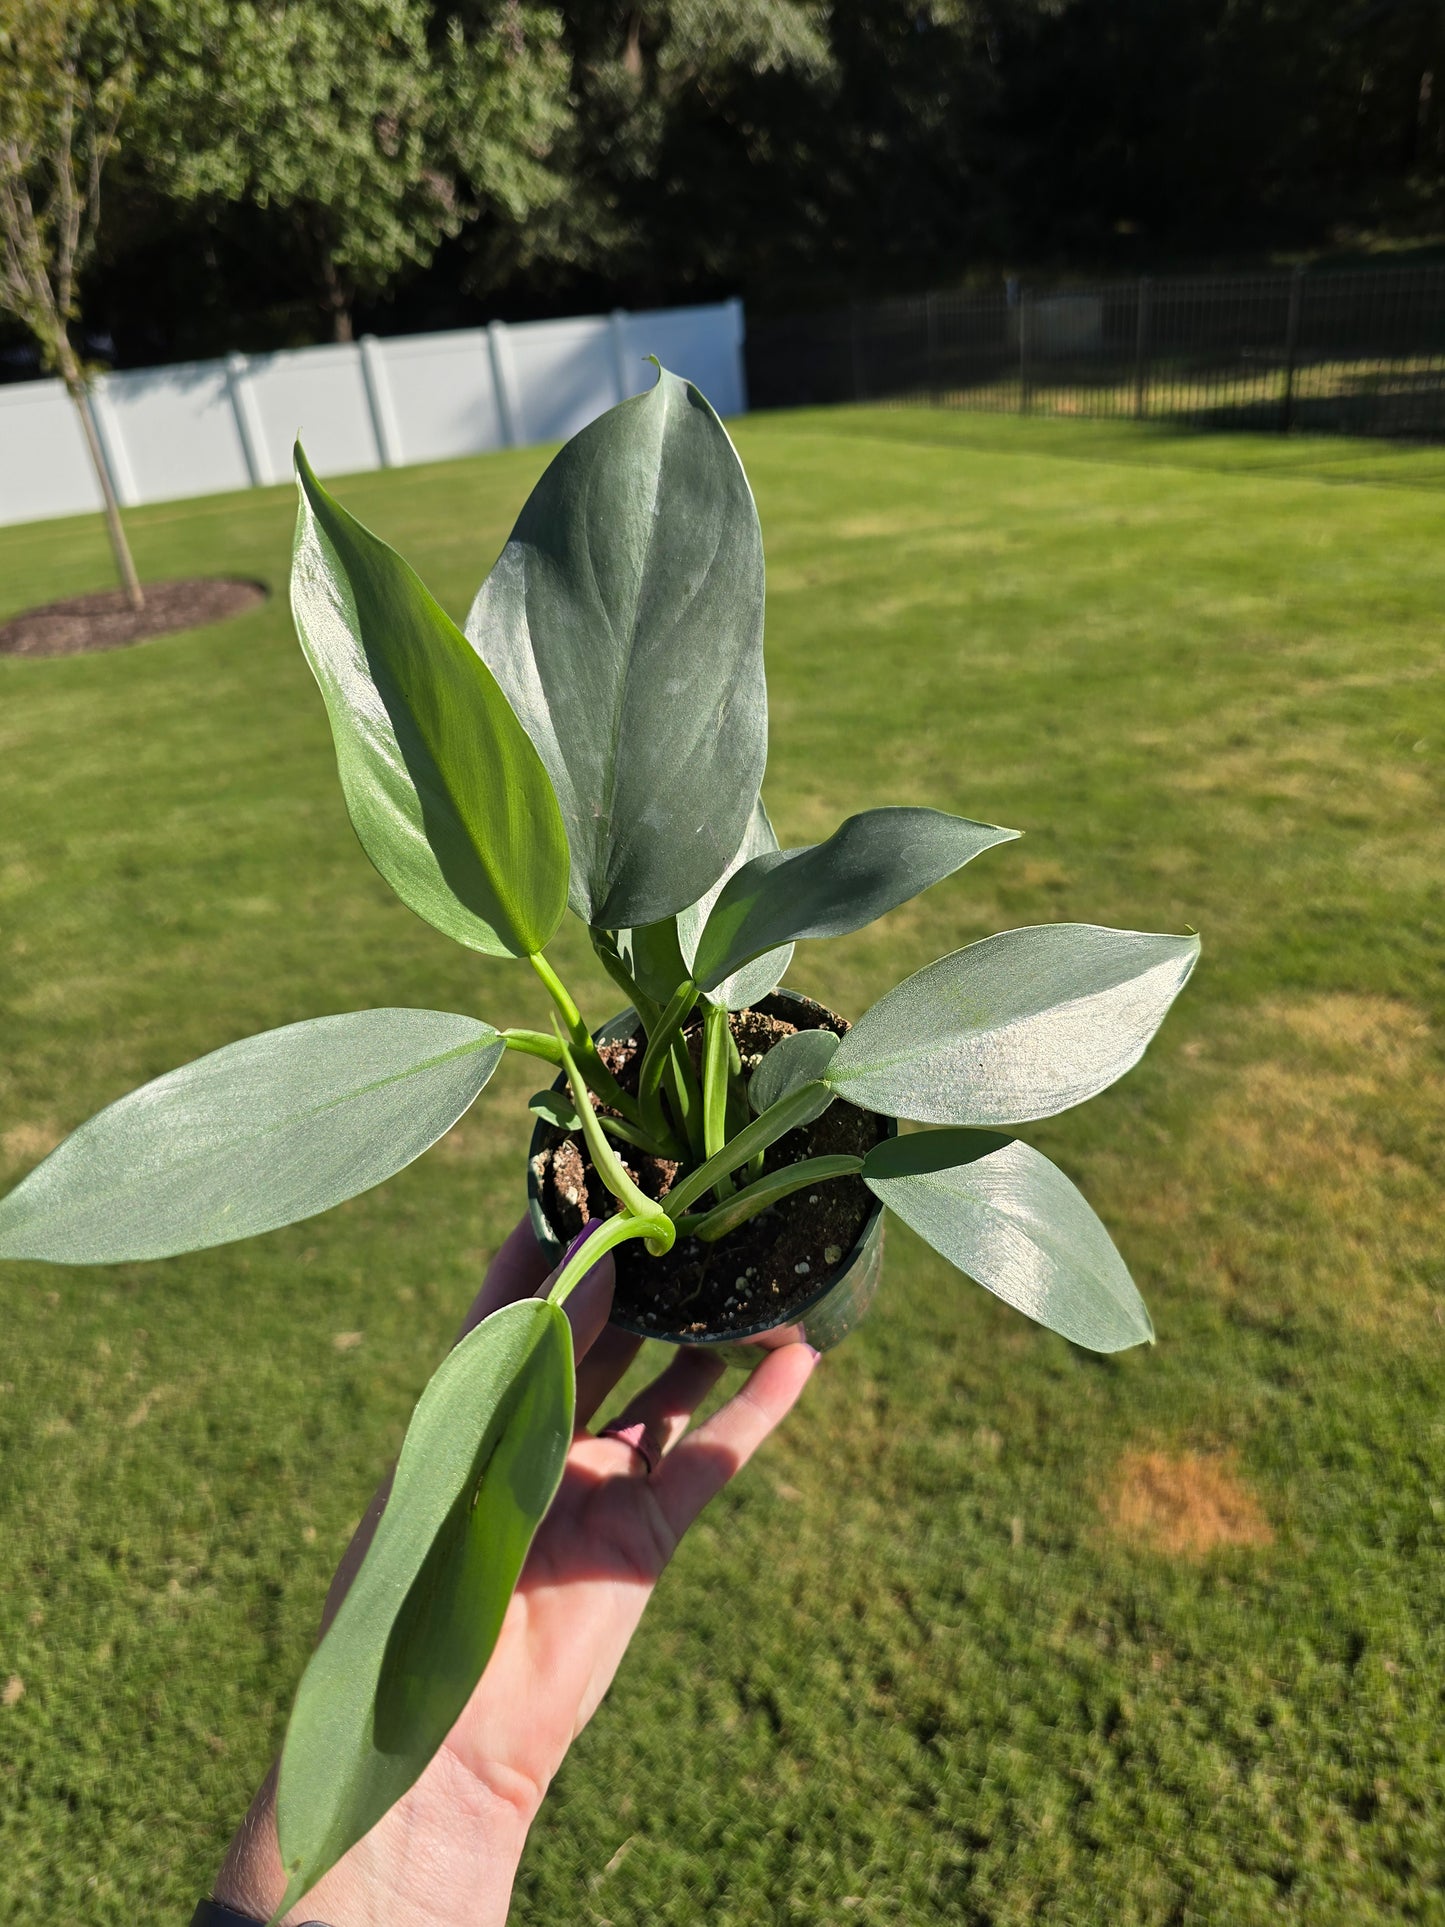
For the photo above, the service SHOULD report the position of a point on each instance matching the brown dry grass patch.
(29, 1143)
(1310, 1207)
(1184, 1504)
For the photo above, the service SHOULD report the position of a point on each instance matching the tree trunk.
(75, 387)
(338, 297)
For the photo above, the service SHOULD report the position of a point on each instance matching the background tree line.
(279, 171)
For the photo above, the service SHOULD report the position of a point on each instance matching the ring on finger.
(640, 1438)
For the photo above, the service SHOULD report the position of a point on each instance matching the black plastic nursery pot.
(821, 1319)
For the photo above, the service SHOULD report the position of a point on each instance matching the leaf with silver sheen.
(792, 1062)
(1009, 1219)
(1021, 1025)
(444, 788)
(868, 866)
(480, 1464)
(624, 619)
(259, 1134)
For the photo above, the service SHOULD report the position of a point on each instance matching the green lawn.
(996, 1631)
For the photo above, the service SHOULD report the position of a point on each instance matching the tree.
(377, 127)
(67, 75)
(686, 117)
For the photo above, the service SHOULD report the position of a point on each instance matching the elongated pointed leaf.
(1021, 1025)
(260, 1134)
(1012, 1221)
(624, 619)
(660, 955)
(869, 865)
(445, 790)
(793, 1061)
(761, 977)
(480, 1464)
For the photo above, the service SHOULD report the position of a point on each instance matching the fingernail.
(812, 1351)
(582, 1236)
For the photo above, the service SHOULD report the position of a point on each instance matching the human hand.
(448, 1850)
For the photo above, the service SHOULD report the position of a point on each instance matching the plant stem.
(607, 956)
(534, 1043)
(609, 1167)
(559, 993)
(598, 1075)
(641, 1140)
(747, 1203)
(686, 1094)
(717, 1038)
(611, 1232)
(797, 1108)
(566, 1116)
(656, 1057)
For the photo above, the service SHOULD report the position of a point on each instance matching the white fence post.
(249, 426)
(504, 378)
(378, 395)
(740, 335)
(112, 445)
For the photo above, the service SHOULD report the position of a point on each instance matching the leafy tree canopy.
(375, 129)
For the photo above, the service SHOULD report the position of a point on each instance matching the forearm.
(445, 1853)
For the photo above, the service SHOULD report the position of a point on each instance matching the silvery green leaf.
(1012, 1221)
(445, 790)
(480, 1464)
(624, 619)
(1018, 1026)
(557, 1108)
(260, 1134)
(792, 1062)
(869, 865)
(651, 956)
(761, 977)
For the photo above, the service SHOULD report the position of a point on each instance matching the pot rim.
(797, 1311)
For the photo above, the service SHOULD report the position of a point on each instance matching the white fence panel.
(442, 395)
(564, 375)
(320, 395)
(45, 467)
(171, 432)
(208, 426)
(705, 344)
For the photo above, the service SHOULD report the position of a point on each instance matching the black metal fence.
(1359, 353)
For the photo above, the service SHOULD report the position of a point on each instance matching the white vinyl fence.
(202, 427)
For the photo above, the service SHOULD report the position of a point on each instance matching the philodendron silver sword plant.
(596, 739)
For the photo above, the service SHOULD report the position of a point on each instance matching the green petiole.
(535, 1043)
(608, 1166)
(658, 1055)
(745, 1204)
(717, 1053)
(613, 1231)
(797, 1108)
(598, 1076)
(611, 961)
(557, 1108)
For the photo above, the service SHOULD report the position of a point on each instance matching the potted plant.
(596, 739)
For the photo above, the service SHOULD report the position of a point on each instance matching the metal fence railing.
(1360, 353)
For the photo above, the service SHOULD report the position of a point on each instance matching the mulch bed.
(105, 620)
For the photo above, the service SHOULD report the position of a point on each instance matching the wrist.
(427, 1863)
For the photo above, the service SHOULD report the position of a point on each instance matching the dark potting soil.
(105, 620)
(778, 1261)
